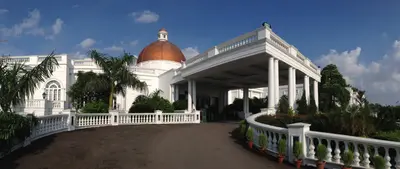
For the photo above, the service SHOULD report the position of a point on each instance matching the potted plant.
(379, 162)
(249, 136)
(281, 150)
(321, 156)
(298, 153)
(262, 142)
(348, 157)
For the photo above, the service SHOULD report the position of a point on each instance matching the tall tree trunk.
(110, 99)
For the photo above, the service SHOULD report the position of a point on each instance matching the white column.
(276, 66)
(194, 94)
(307, 88)
(294, 86)
(172, 93)
(189, 96)
(290, 87)
(245, 100)
(176, 92)
(271, 84)
(316, 93)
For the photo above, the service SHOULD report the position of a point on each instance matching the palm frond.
(100, 59)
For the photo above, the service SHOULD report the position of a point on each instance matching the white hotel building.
(251, 63)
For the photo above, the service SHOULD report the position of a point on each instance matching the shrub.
(312, 107)
(14, 127)
(147, 105)
(141, 108)
(180, 105)
(390, 135)
(348, 157)
(95, 107)
(249, 134)
(298, 150)
(379, 162)
(262, 141)
(283, 105)
(282, 147)
(243, 127)
(302, 106)
(291, 113)
(321, 152)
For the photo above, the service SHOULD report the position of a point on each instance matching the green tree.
(302, 106)
(117, 75)
(333, 90)
(283, 105)
(19, 81)
(82, 91)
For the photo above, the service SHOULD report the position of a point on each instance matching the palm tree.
(19, 81)
(117, 74)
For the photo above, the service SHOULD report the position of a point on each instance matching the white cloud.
(31, 26)
(57, 27)
(190, 52)
(380, 78)
(134, 43)
(3, 11)
(145, 16)
(87, 43)
(114, 48)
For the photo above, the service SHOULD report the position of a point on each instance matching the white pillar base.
(271, 111)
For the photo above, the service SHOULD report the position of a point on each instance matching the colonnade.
(273, 87)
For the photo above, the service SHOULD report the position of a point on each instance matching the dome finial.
(162, 34)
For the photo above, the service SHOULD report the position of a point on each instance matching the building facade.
(201, 80)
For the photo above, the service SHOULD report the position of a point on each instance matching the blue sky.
(314, 27)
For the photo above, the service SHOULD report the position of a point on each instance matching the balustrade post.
(264, 33)
(197, 117)
(71, 122)
(159, 116)
(114, 117)
(297, 132)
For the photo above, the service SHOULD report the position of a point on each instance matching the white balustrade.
(250, 38)
(364, 148)
(137, 118)
(272, 133)
(92, 120)
(35, 103)
(52, 124)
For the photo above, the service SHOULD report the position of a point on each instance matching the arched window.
(53, 90)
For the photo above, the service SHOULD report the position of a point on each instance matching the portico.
(256, 59)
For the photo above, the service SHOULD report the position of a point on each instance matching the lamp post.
(44, 94)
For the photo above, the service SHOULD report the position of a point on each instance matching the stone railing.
(70, 121)
(259, 34)
(364, 148)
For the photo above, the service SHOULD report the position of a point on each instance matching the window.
(53, 90)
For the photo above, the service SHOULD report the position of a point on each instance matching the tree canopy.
(116, 74)
(333, 93)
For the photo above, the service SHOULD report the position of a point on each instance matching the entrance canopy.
(251, 72)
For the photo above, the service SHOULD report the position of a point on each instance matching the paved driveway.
(204, 146)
